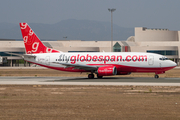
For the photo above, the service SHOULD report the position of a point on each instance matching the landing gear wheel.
(99, 76)
(156, 76)
(91, 76)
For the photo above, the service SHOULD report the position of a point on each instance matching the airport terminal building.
(161, 41)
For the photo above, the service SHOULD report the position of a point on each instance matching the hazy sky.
(129, 13)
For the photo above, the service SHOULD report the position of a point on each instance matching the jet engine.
(107, 71)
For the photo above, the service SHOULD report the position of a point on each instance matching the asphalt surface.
(86, 81)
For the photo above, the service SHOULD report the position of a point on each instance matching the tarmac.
(115, 81)
(139, 81)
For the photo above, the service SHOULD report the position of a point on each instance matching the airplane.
(99, 63)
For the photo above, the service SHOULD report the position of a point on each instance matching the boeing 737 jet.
(99, 63)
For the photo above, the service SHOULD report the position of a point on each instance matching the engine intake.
(107, 71)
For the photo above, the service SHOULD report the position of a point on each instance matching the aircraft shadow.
(106, 79)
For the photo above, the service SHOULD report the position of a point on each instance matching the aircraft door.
(151, 60)
(47, 60)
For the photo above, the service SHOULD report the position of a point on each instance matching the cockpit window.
(163, 58)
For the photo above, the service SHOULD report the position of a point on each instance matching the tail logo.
(28, 40)
(25, 39)
(35, 46)
(23, 25)
(32, 43)
(31, 32)
(48, 50)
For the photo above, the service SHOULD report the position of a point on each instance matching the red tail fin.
(32, 43)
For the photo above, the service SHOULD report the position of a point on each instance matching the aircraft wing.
(78, 66)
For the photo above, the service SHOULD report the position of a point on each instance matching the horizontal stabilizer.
(21, 55)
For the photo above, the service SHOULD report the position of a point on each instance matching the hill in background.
(73, 29)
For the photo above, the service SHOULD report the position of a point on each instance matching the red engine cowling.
(107, 71)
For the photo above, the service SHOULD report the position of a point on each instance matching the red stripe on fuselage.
(124, 68)
(120, 68)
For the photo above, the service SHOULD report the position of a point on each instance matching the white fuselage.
(124, 61)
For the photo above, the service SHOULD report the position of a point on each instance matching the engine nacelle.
(107, 71)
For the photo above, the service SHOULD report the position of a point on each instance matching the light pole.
(111, 10)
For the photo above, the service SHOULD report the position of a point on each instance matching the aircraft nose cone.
(173, 64)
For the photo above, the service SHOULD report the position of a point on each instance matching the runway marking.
(173, 78)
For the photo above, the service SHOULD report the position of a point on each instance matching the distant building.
(161, 41)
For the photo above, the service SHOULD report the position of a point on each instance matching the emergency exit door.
(151, 60)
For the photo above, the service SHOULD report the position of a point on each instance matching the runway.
(85, 81)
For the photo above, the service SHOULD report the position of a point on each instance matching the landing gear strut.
(91, 76)
(156, 76)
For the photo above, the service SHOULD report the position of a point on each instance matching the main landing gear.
(91, 76)
(156, 76)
